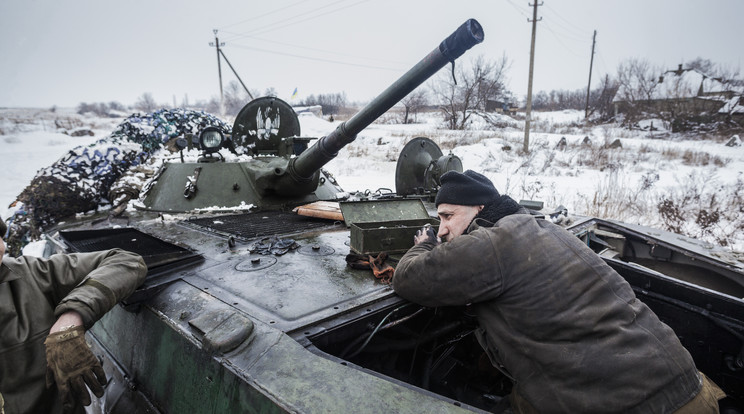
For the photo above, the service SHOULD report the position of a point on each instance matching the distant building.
(680, 91)
(501, 107)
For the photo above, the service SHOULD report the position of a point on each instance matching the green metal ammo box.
(385, 225)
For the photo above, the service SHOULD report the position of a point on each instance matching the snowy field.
(693, 174)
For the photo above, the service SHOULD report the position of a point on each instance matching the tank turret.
(282, 173)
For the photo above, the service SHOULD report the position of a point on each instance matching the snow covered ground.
(629, 183)
(31, 139)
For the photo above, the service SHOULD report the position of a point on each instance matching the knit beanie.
(466, 189)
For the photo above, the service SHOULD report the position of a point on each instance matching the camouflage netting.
(88, 178)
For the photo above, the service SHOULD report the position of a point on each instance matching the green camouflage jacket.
(33, 293)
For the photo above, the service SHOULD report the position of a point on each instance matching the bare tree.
(235, 98)
(116, 106)
(331, 103)
(637, 80)
(477, 82)
(600, 98)
(413, 103)
(702, 65)
(212, 106)
(730, 77)
(541, 100)
(146, 103)
(100, 108)
(559, 100)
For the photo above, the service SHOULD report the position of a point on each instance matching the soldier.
(553, 316)
(45, 307)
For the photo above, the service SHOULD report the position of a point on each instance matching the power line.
(261, 15)
(569, 30)
(602, 61)
(516, 7)
(311, 17)
(317, 59)
(284, 19)
(558, 38)
(263, 40)
(291, 20)
(565, 33)
(571, 25)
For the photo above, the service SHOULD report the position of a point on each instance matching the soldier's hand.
(426, 234)
(72, 365)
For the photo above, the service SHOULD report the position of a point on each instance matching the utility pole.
(527, 120)
(589, 86)
(217, 44)
(236, 74)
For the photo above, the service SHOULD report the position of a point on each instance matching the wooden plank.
(321, 209)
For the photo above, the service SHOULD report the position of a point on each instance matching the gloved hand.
(426, 234)
(72, 365)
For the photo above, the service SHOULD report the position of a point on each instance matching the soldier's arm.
(463, 271)
(89, 283)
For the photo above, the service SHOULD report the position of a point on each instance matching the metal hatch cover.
(156, 253)
(163, 259)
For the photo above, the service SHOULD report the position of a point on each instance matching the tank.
(258, 310)
(269, 129)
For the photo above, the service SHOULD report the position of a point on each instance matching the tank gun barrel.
(302, 169)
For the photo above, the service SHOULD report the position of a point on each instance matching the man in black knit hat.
(553, 316)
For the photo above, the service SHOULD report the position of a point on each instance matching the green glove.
(72, 365)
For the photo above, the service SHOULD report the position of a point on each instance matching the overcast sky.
(65, 52)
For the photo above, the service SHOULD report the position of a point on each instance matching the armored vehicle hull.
(226, 330)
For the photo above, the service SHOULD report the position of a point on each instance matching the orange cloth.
(381, 270)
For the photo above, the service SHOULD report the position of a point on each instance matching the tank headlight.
(211, 139)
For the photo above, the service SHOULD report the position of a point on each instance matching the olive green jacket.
(33, 293)
(554, 317)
